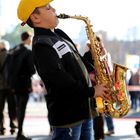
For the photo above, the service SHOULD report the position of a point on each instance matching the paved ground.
(36, 125)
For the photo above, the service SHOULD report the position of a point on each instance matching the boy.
(63, 72)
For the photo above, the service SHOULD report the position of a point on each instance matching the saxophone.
(118, 104)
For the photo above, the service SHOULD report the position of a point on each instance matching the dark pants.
(7, 95)
(22, 99)
(109, 122)
(134, 99)
(98, 126)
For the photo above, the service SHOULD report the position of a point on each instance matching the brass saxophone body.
(118, 103)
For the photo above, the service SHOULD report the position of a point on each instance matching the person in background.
(110, 125)
(108, 119)
(6, 94)
(63, 73)
(23, 88)
(134, 95)
(98, 121)
(38, 89)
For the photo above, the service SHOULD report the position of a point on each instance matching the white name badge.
(61, 48)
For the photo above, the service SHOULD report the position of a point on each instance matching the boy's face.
(46, 18)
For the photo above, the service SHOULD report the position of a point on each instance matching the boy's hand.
(100, 91)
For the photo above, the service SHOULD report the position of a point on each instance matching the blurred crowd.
(37, 94)
(38, 89)
(134, 92)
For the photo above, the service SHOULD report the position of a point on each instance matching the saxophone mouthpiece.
(63, 16)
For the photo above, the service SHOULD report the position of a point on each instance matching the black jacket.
(26, 70)
(68, 92)
(3, 54)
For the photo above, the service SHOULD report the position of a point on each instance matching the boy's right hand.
(100, 91)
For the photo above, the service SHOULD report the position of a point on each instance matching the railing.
(133, 88)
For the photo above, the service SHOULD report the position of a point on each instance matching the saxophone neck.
(79, 17)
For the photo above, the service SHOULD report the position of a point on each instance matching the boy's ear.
(35, 18)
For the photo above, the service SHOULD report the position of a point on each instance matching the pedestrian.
(98, 121)
(6, 94)
(22, 88)
(110, 125)
(134, 95)
(63, 73)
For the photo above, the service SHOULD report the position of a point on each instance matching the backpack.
(12, 65)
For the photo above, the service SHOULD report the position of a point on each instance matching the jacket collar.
(42, 31)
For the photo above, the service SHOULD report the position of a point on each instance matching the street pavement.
(36, 124)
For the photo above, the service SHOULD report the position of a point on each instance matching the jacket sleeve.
(52, 72)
